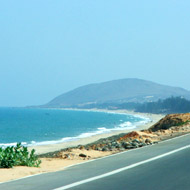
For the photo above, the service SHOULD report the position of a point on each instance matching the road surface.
(163, 166)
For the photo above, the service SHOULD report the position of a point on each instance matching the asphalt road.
(168, 171)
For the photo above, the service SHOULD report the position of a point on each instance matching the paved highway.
(162, 166)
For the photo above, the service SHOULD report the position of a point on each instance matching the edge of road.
(95, 159)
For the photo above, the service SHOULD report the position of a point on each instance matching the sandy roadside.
(54, 164)
(47, 165)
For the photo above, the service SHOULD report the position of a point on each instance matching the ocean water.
(49, 126)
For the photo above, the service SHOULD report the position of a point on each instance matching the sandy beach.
(83, 141)
(54, 164)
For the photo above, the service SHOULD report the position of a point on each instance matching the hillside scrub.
(18, 156)
(169, 105)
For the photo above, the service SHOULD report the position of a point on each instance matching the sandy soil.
(48, 165)
(54, 164)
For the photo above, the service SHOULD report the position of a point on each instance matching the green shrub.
(182, 123)
(18, 156)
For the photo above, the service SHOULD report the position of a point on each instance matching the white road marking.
(124, 152)
(121, 169)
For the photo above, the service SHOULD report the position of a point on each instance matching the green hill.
(117, 91)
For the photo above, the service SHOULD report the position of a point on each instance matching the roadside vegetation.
(18, 156)
(169, 105)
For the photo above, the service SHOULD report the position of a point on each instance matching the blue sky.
(50, 47)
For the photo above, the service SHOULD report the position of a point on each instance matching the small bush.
(182, 123)
(18, 156)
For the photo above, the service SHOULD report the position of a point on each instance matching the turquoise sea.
(49, 126)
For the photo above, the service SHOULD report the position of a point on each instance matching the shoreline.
(43, 149)
(56, 164)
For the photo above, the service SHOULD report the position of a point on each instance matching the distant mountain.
(117, 91)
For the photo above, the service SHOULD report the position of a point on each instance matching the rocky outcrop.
(130, 140)
(171, 120)
(133, 135)
(105, 146)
